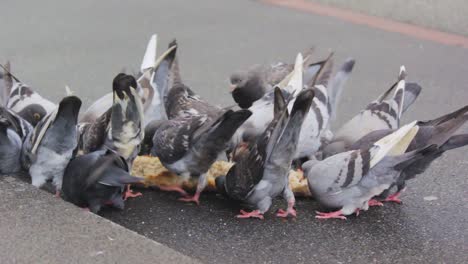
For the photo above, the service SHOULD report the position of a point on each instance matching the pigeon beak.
(232, 87)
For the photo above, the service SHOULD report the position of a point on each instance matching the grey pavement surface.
(449, 16)
(36, 227)
(84, 44)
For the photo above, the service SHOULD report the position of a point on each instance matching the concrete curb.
(36, 227)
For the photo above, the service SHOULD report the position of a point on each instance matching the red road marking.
(374, 22)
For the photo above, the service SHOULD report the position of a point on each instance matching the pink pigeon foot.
(195, 198)
(253, 214)
(394, 198)
(174, 189)
(289, 212)
(57, 194)
(130, 194)
(373, 202)
(337, 214)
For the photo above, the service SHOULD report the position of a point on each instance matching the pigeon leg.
(337, 214)
(130, 194)
(202, 182)
(253, 214)
(174, 188)
(288, 196)
(374, 202)
(395, 198)
(57, 194)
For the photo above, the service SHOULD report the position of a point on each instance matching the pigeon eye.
(37, 116)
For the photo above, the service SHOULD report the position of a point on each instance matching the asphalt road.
(52, 43)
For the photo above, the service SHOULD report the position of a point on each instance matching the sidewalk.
(36, 227)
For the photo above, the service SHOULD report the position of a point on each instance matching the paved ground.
(39, 228)
(85, 45)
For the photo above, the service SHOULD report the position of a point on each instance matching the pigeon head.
(306, 166)
(246, 88)
(147, 143)
(33, 113)
(219, 183)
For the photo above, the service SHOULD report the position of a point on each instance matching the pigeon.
(251, 85)
(154, 77)
(121, 127)
(13, 131)
(4, 92)
(97, 179)
(349, 180)
(181, 101)
(261, 169)
(188, 146)
(24, 101)
(158, 84)
(50, 146)
(382, 113)
(439, 131)
(316, 124)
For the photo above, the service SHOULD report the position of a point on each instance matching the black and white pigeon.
(316, 124)
(261, 169)
(250, 85)
(188, 146)
(121, 127)
(50, 146)
(152, 82)
(155, 83)
(439, 131)
(13, 131)
(349, 181)
(382, 113)
(97, 179)
(24, 101)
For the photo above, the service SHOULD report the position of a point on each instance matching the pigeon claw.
(394, 198)
(174, 189)
(194, 199)
(130, 194)
(374, 202)
(57, 194)
(289, 212)
(336, 214)
(254, 214)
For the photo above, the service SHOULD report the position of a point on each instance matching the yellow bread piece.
(155, 174)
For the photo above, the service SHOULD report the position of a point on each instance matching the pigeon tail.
(403, 161)
(226, 126)
(337, 84)
(412, 91)
(454, 142)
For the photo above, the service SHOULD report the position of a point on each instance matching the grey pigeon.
(13, 131)
(24, 101)
(250, 85)
(50, 146)
(4, 92)
(121, 127)
(97, 179)
(181, 101)
(348, 181)
(261, 168)
(439, 131)
(382, 113)
(188, 146)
